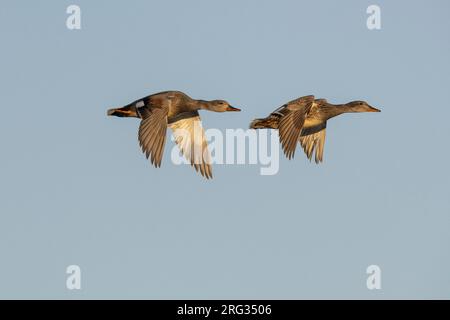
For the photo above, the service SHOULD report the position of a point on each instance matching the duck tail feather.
(266, 123)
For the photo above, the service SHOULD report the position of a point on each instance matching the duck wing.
(291, 123)
(300, 101)
(190, 137)
(313, 139)
(152, 134)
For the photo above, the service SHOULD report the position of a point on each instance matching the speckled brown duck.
(304, 120)
(176, 110)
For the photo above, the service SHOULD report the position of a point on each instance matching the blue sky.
(77, 190)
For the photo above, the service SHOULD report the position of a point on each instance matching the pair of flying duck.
(302, 120)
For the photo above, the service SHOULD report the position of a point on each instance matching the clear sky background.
(75, 188)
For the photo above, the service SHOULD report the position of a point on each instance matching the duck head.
(360, 106)
(220, 106)
(127, 111)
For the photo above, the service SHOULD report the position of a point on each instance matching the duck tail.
(270, 122)
(127, 111)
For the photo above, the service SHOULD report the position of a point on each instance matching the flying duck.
(305, 120)
(176, 110)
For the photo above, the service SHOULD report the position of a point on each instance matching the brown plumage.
(304, 120)
(176, 110)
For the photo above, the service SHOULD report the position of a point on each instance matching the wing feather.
(313, 141)
(152, 135)
(190, 137)
(291, 123)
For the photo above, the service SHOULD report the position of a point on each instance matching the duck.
(179, 112)
(304, 120)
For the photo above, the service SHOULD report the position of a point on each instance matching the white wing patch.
(314, 142)
(190, 138)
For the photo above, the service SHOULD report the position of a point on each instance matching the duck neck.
(333, 110)
(201, 104)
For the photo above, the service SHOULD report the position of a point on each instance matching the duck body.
(304, 120)
(176, 103)
(179, 112)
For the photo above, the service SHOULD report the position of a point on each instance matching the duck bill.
(372, 109)
(230, 108)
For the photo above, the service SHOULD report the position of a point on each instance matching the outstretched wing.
(291, 123)
(313, 139)
(190, 138)
(301, 101)
(152, 134)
